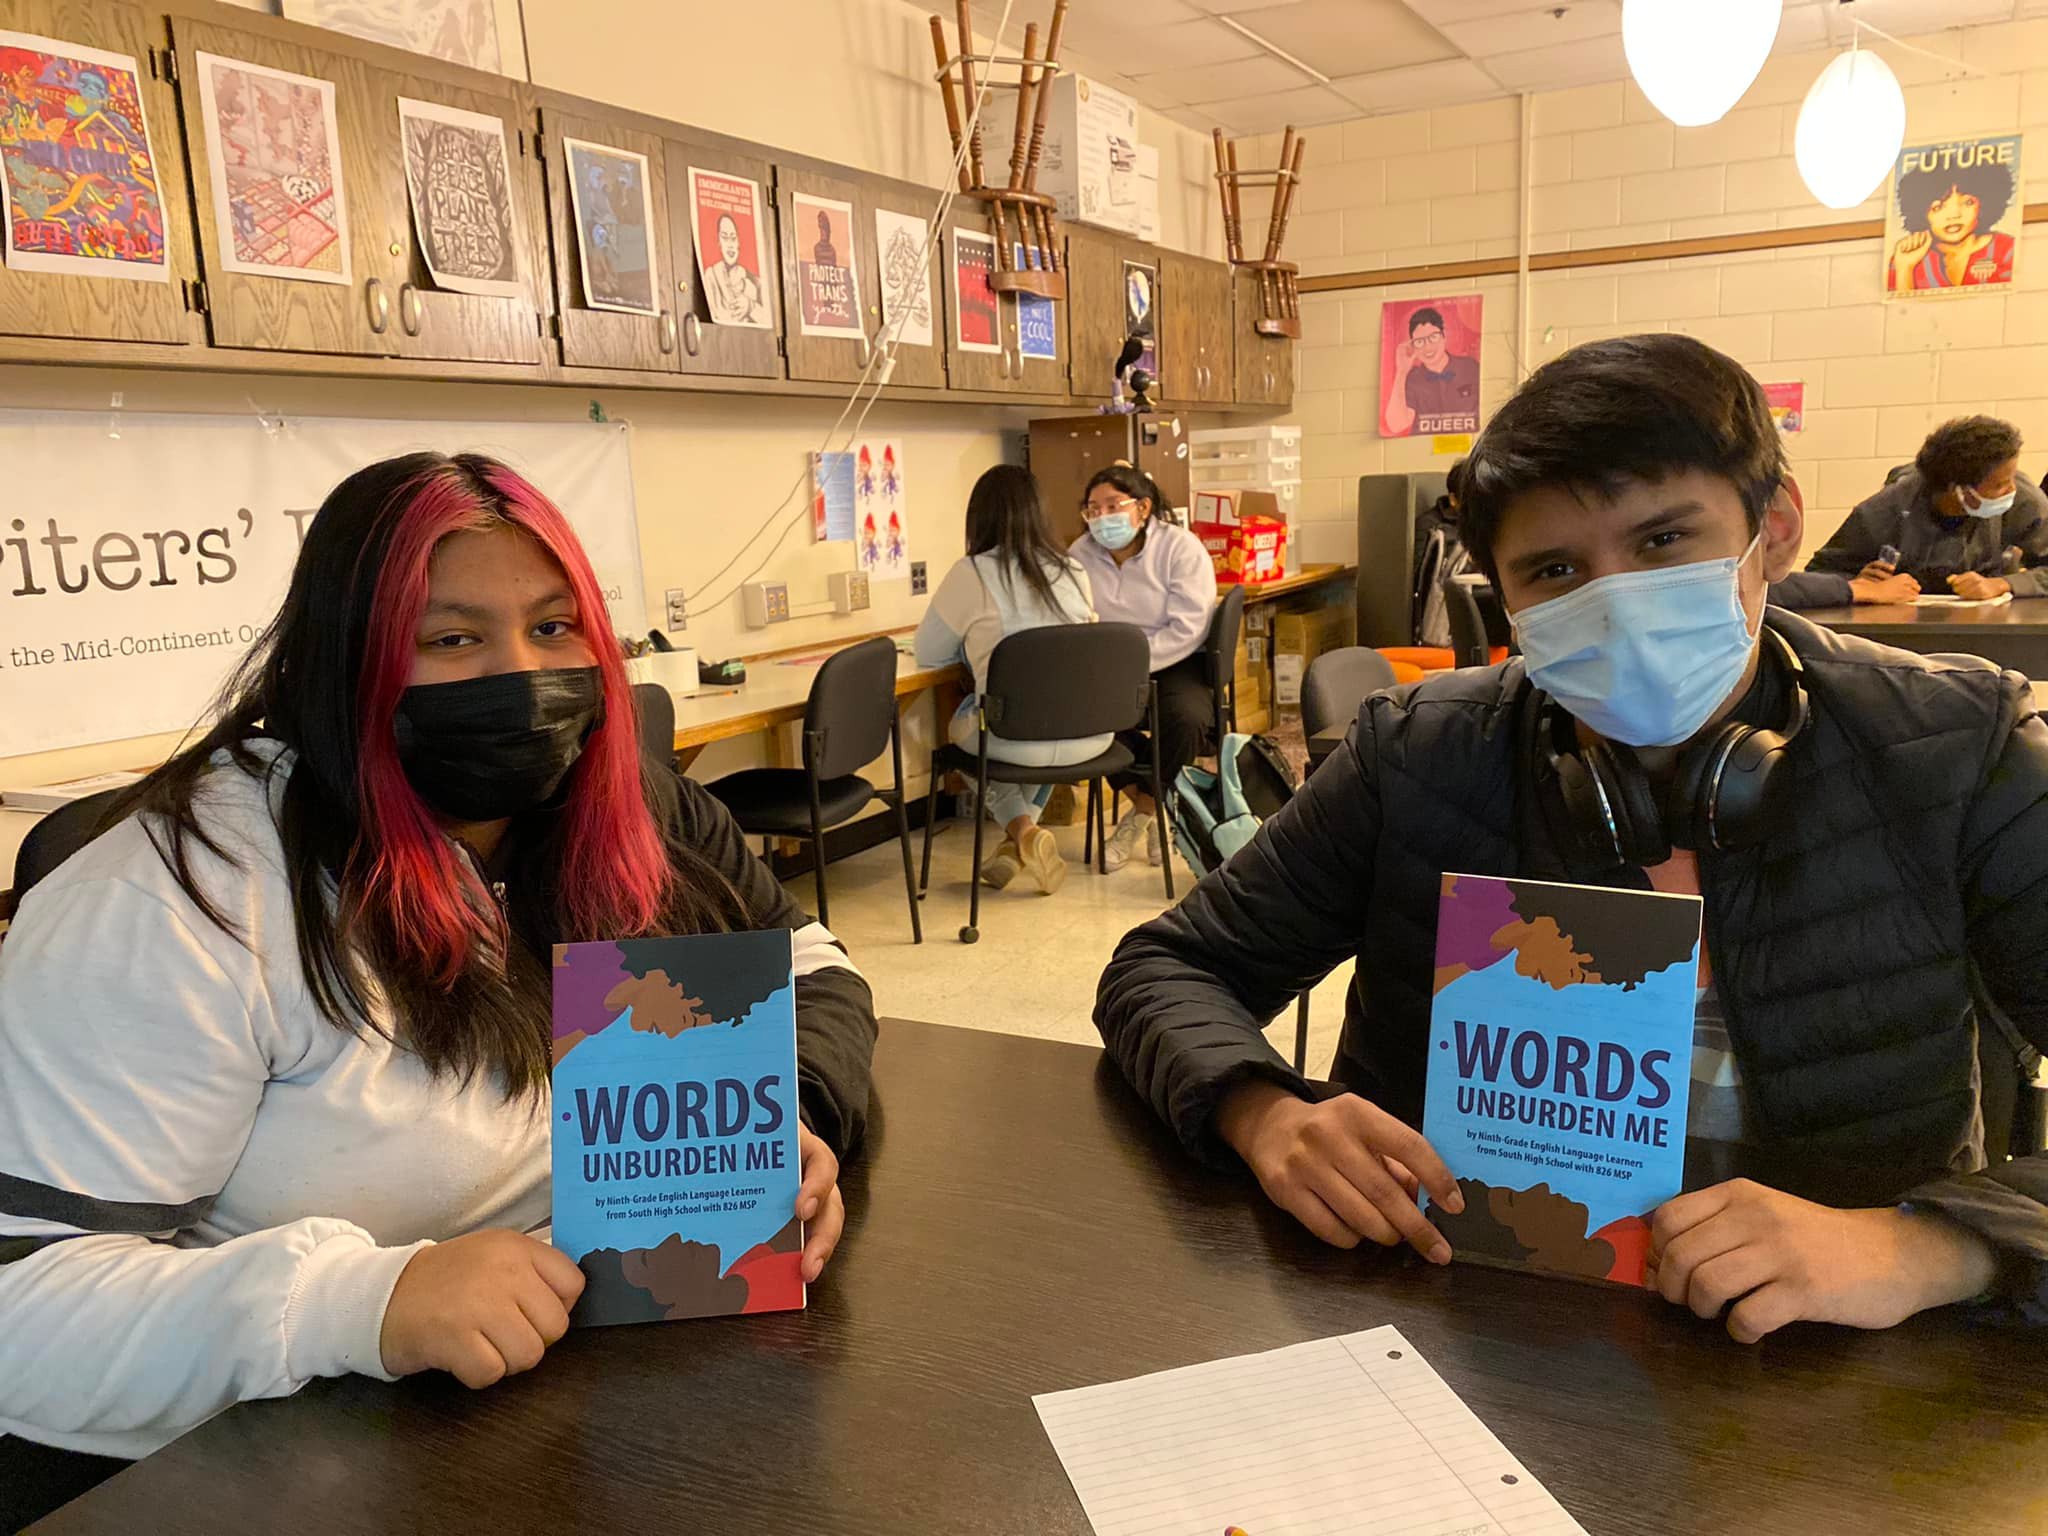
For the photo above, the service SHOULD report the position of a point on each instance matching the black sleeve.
(835, 1011)
(1866, 530)
(2026, 528)
(1812, 589)
(2004, 867)
(1183, 1000)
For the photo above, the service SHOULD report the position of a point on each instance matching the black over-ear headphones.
(1725, 794)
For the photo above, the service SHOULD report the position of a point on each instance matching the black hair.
(1610, 412)
(1924, 186)
(1006, 518)
(1425, 315)
(1129, 479)
(298, 687)
(1964, 451)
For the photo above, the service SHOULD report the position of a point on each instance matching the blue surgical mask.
(1643, 657)
(1997, 507)
(1113, 530)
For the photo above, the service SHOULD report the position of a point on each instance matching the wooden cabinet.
(1265, 364)
(604, 338)
(261, 309)
(109, 308)
(825, 358)
(1197, 358)
(1095, 309)
(1007, 366)
(433, 322)
(917, 367)
(726, 350)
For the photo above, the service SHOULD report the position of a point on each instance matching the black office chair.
(1219, 660)
(1053, 684)
(1478, 622)
(850, 714)
(656, 707)
(1336, 683)
(59, 835)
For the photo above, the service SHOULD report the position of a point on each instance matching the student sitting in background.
(274, 1048)
(1961, 520)
(1013, 578)
(1159, 577)
(1624, 503)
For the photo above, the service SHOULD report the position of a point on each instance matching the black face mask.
(487, 748)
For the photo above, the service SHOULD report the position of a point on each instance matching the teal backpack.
(1215, 814)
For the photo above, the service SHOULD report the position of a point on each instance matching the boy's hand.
(1780, 1259)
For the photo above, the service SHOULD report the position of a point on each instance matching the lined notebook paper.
(1329, 1438)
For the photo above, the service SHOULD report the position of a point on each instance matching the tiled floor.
(1035, 968)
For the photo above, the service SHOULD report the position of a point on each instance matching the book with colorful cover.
(676, 1162)
(1559, 1063)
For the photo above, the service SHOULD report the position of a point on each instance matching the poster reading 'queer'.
(460, 181)
(1429, 366)
(80, 172)
(273, 156)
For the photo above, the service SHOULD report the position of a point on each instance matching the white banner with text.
(126, 598)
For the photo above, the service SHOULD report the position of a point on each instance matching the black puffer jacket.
(1841, 949)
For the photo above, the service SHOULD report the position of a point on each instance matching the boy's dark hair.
(1425, 316)
(1920, 189)
(1964, 451)
(1634, 408)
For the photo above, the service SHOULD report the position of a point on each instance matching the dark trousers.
(1187, 719)
(35, 1479)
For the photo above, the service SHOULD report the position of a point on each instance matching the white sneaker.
(1039, 852)
(1002, 866)
(1118, 847)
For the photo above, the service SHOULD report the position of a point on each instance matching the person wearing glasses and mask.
(1868, 829)
(1962, 521)
(275, 1046)
(1157, 576)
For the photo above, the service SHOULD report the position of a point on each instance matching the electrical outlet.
(764, 603)
(918, 584)
(678, 614)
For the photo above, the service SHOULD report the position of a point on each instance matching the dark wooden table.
(1018, 1226)
(2015, 634)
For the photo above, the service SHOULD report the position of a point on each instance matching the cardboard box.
(1298, 639)
(1089, 161)
(1253, 550)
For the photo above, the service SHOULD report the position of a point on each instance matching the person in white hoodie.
(275, 1046)
(1014, 577)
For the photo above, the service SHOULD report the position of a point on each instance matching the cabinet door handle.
(666, 332)
(693, 334)
(409, 308)
(378, 304)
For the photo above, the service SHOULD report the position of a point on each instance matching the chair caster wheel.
(969, 935)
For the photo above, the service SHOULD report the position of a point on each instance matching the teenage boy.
(1893, 841)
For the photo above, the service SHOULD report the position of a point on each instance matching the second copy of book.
(676, 1162)
(1560, 1057)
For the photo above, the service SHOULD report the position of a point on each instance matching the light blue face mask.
(1643, 657)
(1997, 507)
(1113, 530)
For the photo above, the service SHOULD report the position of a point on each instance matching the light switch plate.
(678, 611)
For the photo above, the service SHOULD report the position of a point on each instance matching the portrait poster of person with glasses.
(1429, 366)
(1953, 222)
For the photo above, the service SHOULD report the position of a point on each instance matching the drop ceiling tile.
(1524, 30)
(1303, 108)
(1246, 7)
(1186, 45)
(1226, 82)
(1426, 85)
(1542, 69)
(1351, 37)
